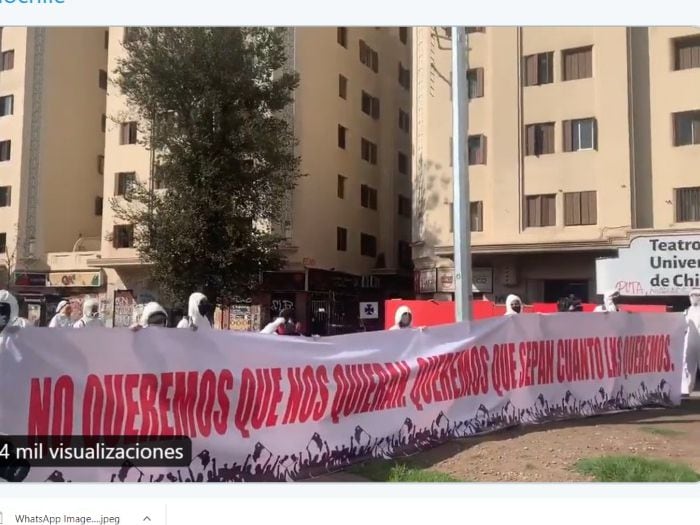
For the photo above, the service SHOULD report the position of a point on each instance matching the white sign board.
(661, 265)
(369, 310)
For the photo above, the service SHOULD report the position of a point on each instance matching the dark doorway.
(556, 289)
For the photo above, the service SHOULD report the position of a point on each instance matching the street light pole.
(460, 177)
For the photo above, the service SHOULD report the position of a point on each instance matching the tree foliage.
(209, 103)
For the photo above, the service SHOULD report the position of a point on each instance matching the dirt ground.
(549, 452)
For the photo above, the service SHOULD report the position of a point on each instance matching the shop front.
(40, 292)
(659, 268)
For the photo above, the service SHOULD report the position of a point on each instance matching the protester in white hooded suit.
(10, 321)
(403, 318)
(691, 352)
(514, 305)
(62, 319)
(198, 312)
(153, 315)
(611, 298)
(91, 315)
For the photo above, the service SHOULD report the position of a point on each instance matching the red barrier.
(433, 313)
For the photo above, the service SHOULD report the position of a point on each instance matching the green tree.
(209, 103)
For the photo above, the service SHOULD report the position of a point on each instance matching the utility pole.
(460, 177)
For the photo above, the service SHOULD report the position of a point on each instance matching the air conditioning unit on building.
(370, 281)
(509, 275)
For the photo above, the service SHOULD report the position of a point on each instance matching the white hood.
(61, 320)
(150, 309)
(399, 314)
(271, 327)
(509, 304)
(693, 313)
(86, 320)
(7, 297)
(194, 318)
(608, 300)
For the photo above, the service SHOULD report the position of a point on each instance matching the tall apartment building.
(52, 99)
(347, 226)
(580, 140)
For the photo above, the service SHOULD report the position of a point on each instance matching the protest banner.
(271, 408)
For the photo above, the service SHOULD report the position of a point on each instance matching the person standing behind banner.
(62, 318)
(154, 315)
(91, 315)
(691, 350)
(198, 312)
(280, 325)
(10, 321)
(514, 305)
(403, 318)
(611, 299)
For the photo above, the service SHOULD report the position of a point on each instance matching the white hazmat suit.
(61, 320)
(91, 315)
(403, 318)
(196, 319)
(609, 302)
(691, 351)
(514, 305)
(10, 321)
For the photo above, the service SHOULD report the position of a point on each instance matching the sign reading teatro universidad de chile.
(653, 265)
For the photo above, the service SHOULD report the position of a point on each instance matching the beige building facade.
(52, 99)
(580, 139)
(347, 224)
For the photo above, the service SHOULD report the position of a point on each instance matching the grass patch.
(625, 469)
(660, 431)
(400, 472)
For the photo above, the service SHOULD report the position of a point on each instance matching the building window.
(341, 186)
(370, 105)
(369, 56)
(404, 121)
(124, 182)
(369, 151)
(686, 128)
(123, 236)
(368, 197)
(580, 208)
(577, 63)
(541, 210)
(342, 87)
(5, 196)
(99, 201)
(403, 164)
(106, 39)
(405, 255)
(103, 79)
(103, 123)
(476, 216)
(101, 164)
(687, 204)
(475, 83)
(404, 77)
(475, 30)
(343, 36)
(404, 206)
(368, 245)
(452, 151)
(341, 239)
(7, 60)
(403, 35)
(476, 146)
(686, 52)
(129, 133)
(539, 139)
(130, 34)
(5, 150)
(539, 69)
(7, 105)
(342, 136)
(3, 243)
(580, 135)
